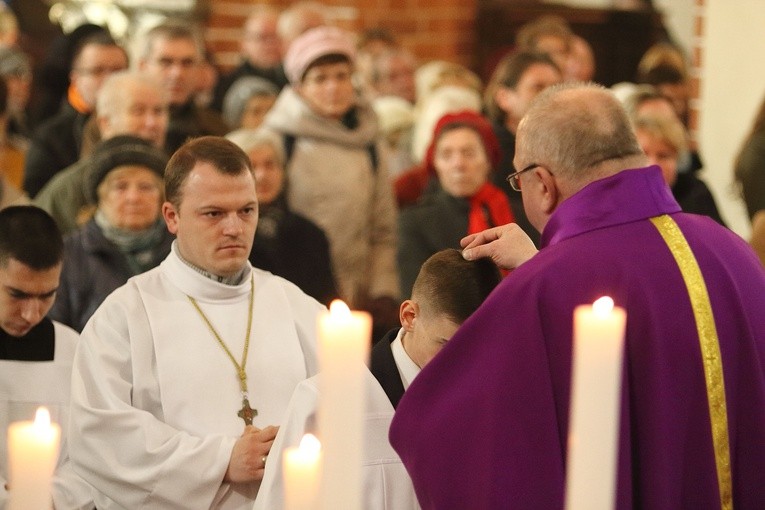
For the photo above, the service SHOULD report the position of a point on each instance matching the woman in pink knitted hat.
(335, 170)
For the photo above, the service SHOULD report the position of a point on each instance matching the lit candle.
(32, 456)
(301, 474)
(344, 343)
(595, 396)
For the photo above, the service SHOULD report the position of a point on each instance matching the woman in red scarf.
(460, 198)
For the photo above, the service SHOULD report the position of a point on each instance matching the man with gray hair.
(691, 432)
(129, 103)
(172, 53)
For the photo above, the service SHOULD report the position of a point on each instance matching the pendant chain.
(240, 367)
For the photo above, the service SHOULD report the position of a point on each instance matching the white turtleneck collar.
(200, 284)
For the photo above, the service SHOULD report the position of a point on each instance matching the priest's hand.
(508, 246)
(249, 455)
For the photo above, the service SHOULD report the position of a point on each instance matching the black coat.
(293, 247)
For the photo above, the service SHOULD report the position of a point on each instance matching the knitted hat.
(475, 121)
(312, 45)
(239, 94)
(119, 151)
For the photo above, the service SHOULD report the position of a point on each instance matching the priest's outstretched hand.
(248, 458)
(508, 246)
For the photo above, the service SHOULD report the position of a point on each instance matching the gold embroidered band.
(710, 349)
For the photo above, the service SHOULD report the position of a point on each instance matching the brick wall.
(431, 29)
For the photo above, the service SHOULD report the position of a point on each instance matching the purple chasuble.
(484, 425)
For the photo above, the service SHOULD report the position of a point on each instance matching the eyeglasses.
(514, 179)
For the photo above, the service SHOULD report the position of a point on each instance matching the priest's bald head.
(572, 134)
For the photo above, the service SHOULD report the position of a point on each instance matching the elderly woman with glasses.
(126, 234)
(460, 200)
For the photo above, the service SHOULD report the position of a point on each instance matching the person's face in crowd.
(255, 111)
(269, 175)
(426, 333)
(515, 101)
(93, 65)
(26, 295)
(143, 113)
(397, 79)
(175, 63)
(130, 197)
(261, 44)
(661, 153)
(461, 162)
(328, 89)
(216, 219)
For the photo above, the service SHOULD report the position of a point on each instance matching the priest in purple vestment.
(485, 424)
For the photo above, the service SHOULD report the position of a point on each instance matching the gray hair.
(574, 128)
(250, 139)
(171, 30)
(111, 95)
(241, 91)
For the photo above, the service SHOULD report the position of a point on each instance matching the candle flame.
(310, 443)
(603, 306)
(339, 309)
(42, 418)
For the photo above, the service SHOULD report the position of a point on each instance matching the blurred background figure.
(126, 235)
(395, 117)
(262, 52)
(16, 70)
(247, 102)
(209, 75)
(517, 80)
(171, 52)
(581, 61)
(547, 34)
(663, 66)
(392, 74)
(298, 18)
(10, 194)
(663, 140)
(749, 167)
(129, 103)
(9, 28)
(411, 183)
(462, 155)
(62, 139)
(286, 244)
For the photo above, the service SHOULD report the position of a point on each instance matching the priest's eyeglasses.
(514, 179)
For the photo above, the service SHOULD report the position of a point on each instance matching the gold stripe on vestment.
(710, 349)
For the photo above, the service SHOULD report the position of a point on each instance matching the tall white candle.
(32, 455)
(594, 418)
(301, 474)
(344, 344)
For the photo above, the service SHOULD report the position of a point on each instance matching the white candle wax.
(344, 343)
(32, 455)
(595, 402)
(301, 474)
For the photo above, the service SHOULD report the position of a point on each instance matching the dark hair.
(225, 156)
(450, 285)
(662, 74)
(331, 58)
(98, 38)
(29, 235)
(507, 74)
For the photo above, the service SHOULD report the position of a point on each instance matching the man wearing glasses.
(486, 425)
(58, 142)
